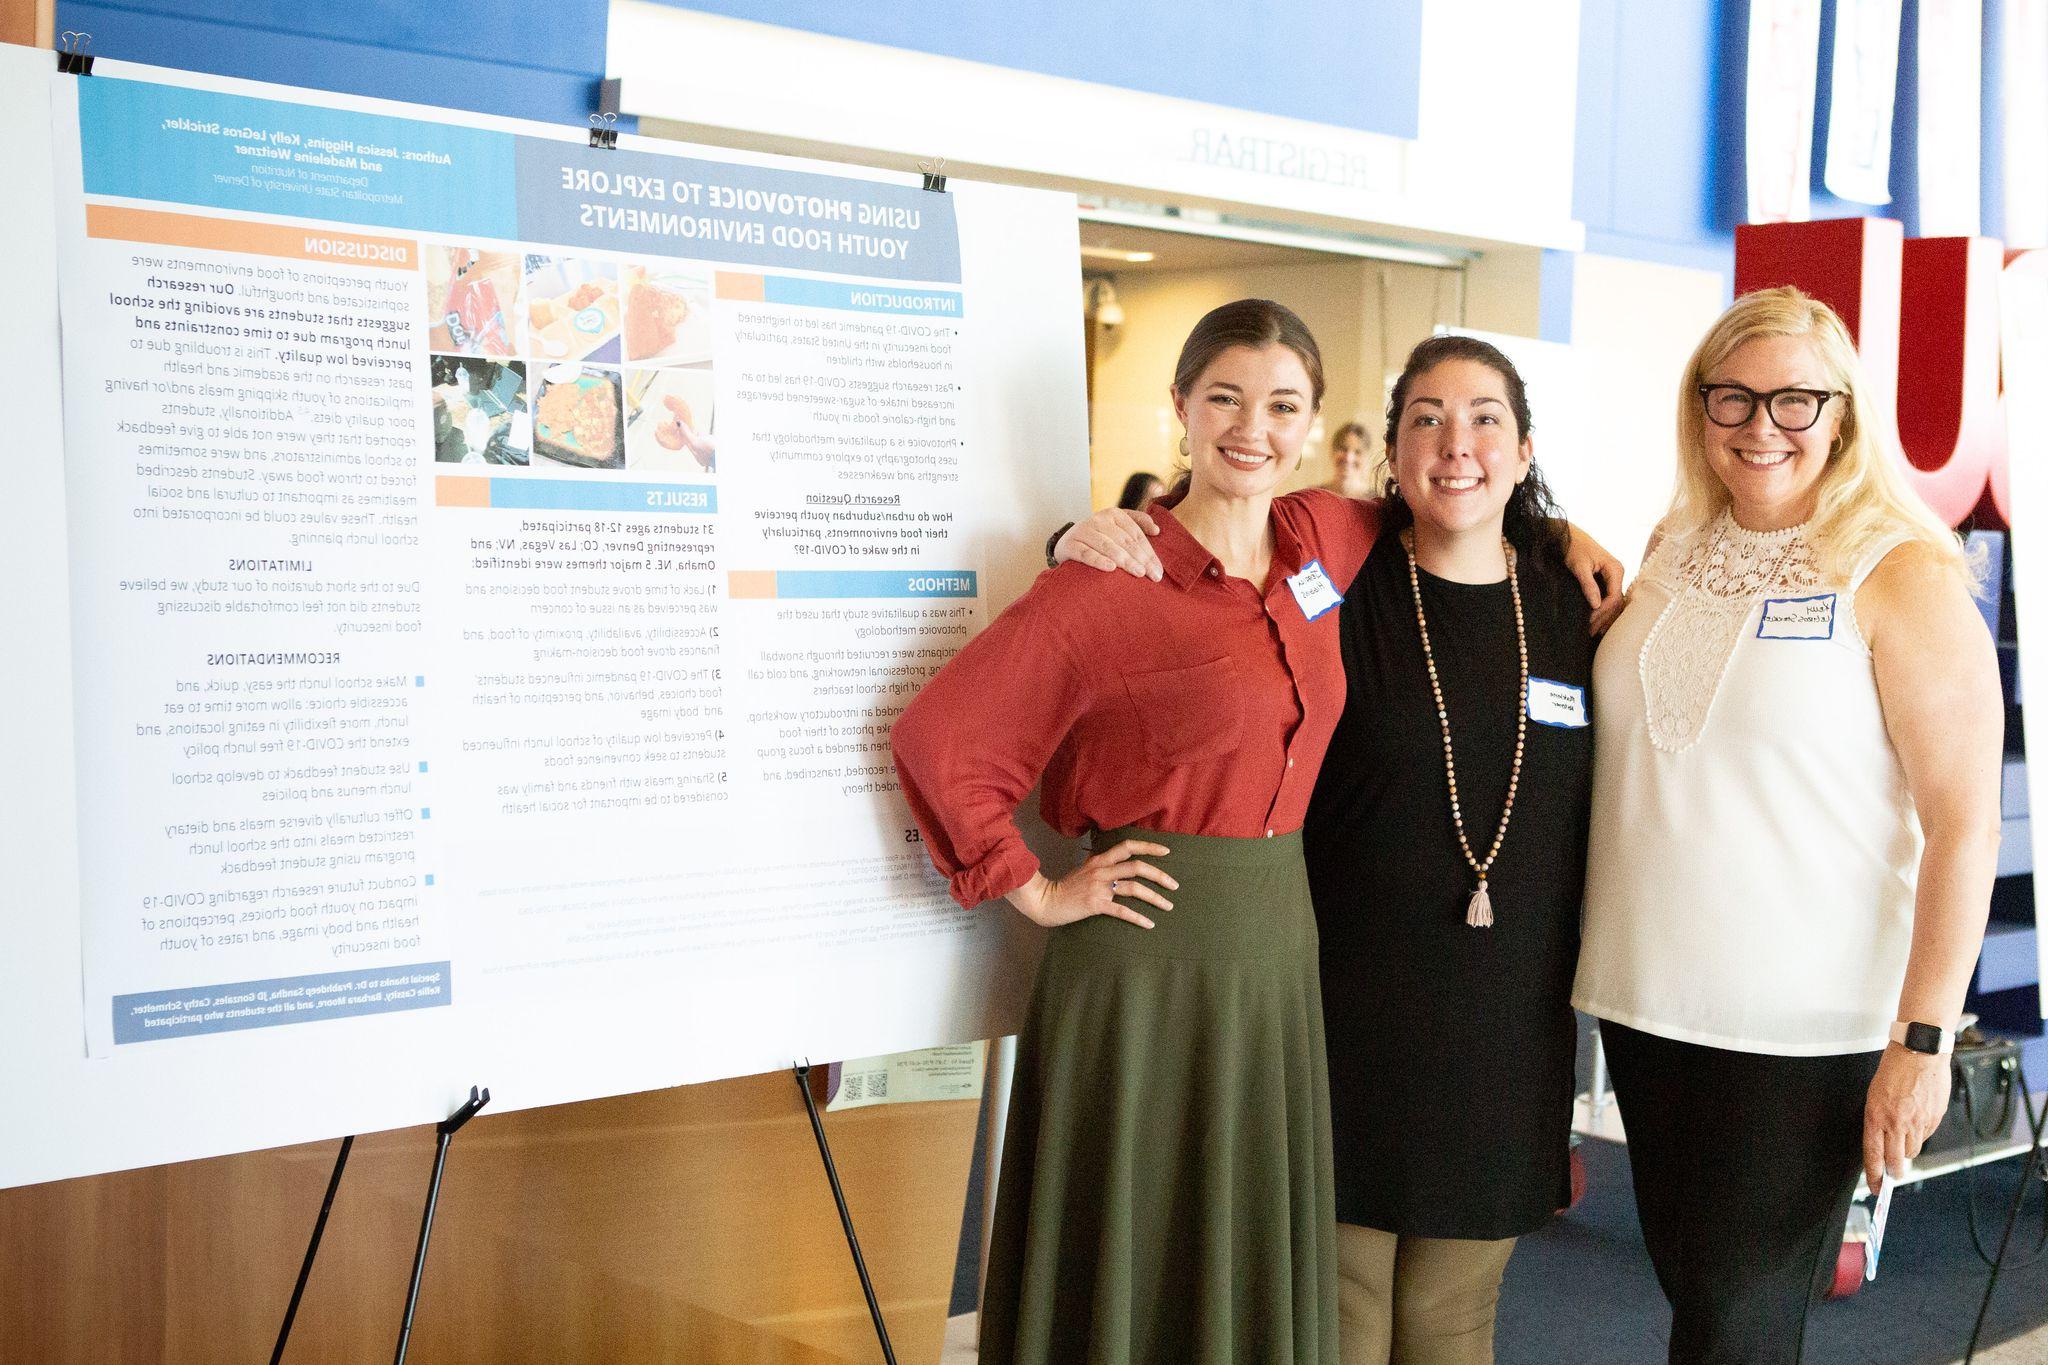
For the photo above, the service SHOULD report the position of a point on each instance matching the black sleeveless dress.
(1451, 1047)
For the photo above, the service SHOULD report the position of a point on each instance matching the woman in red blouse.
(1166, 1187)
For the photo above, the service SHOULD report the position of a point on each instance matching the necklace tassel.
(1479, 910)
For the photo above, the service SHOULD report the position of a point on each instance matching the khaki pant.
(1416, 1300)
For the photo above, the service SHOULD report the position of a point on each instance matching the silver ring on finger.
(1115, 882)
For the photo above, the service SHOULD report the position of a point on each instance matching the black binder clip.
(604, 130)
(72, 57)
(934, 175)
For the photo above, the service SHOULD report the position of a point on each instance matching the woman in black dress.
(1448, 906)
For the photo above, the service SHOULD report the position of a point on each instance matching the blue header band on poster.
(594, 495)
(861, 298)
(876, 583)
(206, 149)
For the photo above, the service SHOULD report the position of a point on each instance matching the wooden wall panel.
(31, 23)
(108, 1233)
(681, 1225)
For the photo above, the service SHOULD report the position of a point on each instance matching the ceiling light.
(1110, 253)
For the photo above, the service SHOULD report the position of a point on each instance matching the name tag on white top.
(1556, 703)
(1314, 593)
(1798, 618)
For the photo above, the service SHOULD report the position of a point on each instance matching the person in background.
(1794, 833)
(1351, 462)
(1165, 1195)
(1139, 491)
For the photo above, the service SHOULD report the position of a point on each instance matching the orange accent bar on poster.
(741, 288)
(743, 585)
(252, 239)
(456, 490)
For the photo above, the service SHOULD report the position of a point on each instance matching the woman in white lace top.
(1795, 828)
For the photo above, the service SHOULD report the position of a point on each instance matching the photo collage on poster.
(566, 362)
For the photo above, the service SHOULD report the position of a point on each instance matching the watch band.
(1931, 1039)
(1052, 541)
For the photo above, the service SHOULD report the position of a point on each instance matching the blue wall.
(1659, 147)
(493, 56)
(1355, 65)
(1659, 166)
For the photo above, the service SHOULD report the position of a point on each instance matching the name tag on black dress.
(1556, 703)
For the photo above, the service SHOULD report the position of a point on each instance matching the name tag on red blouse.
(1313, 591)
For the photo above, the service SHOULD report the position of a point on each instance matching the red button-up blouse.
(1200, 704)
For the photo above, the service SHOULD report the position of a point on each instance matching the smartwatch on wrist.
(1052, 542)
(1931, 1039)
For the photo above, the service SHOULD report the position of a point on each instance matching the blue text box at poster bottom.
(182, 1012)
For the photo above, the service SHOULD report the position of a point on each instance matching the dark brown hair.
(1257, 323)
(1135, 488)
(1531, 520)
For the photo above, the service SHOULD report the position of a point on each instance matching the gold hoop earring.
(1184, 447)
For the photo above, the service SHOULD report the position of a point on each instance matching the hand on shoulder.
(1111, 540)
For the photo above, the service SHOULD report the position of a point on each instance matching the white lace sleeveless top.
(1754, 849)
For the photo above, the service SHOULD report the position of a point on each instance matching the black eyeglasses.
(1731, 405)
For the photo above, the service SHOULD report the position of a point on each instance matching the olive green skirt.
(1166, 1196)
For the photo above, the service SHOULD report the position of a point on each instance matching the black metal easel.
(444, 1131)
(802, 1071)
(2035, 1125)
(284, 1333)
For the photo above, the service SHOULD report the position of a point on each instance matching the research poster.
(494, 564)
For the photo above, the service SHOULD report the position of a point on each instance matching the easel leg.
(2035, 1124)
(284, 1333)
(802, 1071)
(443, 1133)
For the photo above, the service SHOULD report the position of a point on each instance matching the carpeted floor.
(1582, 1290)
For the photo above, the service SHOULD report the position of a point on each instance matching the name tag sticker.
(1556, 703)
(1798, 618)
(1313, 590)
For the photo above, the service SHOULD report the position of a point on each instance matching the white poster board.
(2023, 324)
(1950, 79)
(1784, 62)
(1864, 87)
(464, 593)
(2024, 55)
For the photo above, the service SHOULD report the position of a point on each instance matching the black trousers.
(1743, 1165)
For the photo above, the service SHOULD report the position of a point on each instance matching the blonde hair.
(1863, 493)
